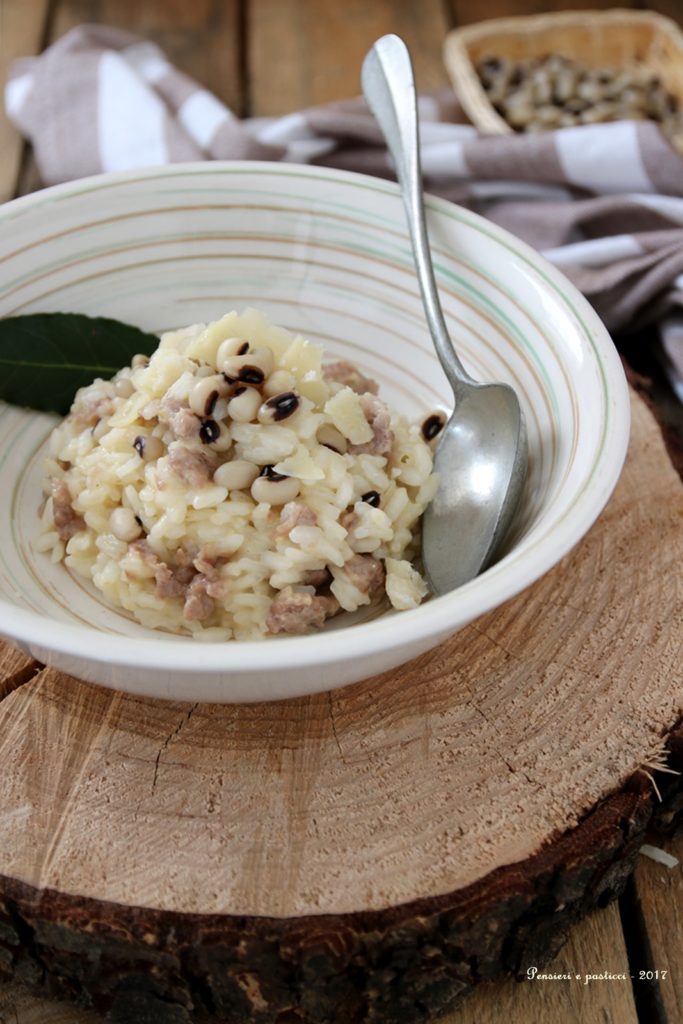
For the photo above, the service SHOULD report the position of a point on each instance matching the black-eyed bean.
(273, 488)
(565, 85)
(229, 348)
(215, 434)
(279, 407)
(223, 441)
(244, 405)
(237, 475)
(547, 116)
(124, 525)
(332, 438)
(252, 368)
(206, 393)
(433, 425)
(148, 447)
(589, 90)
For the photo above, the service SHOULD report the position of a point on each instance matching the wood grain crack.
(511, 767)
(169, 739)
(330, 704)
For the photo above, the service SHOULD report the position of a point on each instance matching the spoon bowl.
(482, 457)
(479, 468)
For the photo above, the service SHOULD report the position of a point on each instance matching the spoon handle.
(389, 89)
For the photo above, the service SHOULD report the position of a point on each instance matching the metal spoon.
(482, 456)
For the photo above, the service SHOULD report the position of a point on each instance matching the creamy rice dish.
(233, 486)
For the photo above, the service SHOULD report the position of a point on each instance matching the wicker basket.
(593, 38)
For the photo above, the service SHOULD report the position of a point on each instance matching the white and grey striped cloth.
(603, 202)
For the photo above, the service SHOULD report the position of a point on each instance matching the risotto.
(233, 486)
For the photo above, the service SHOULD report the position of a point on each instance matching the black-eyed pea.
(279, 407)
(547, 116)
(124, 525)
(433, 425)
(223, 442)
(252, 368)
(332, 438)
(233, 367)
(519, 112)
(149, 447)
(206, 393)
(216, 434)
(567, 121)
(229, 348)
(244, 405)
(565, 85)
(274, 489)
(541, 87)
(237, 475)
(599, 114)
(589, 90)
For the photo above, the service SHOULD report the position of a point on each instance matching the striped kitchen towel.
(603, 202)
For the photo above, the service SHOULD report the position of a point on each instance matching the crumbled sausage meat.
(299, 611)
(208, 569)
(294, 514)
(66, 520)
(366, 573)
(194, 578)
(347, 375)
(194, 468)
(379, 418)
(179, 417)
(167, 583)
(185, 566)
(198, 603)
(316, 578)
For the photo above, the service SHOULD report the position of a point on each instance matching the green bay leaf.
(46, 357)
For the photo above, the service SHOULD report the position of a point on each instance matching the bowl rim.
(439, 615)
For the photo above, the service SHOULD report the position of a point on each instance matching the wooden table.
(271, 57)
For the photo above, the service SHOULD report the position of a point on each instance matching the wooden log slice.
(364, 855)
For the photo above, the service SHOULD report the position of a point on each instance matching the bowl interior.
(325, 254)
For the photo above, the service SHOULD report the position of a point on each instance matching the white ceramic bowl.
(325, 253)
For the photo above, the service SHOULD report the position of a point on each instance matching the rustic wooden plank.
(22, 27)
(303, 52)
(658, 892)
(201, 38)
(465, 12)
(596, 945)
